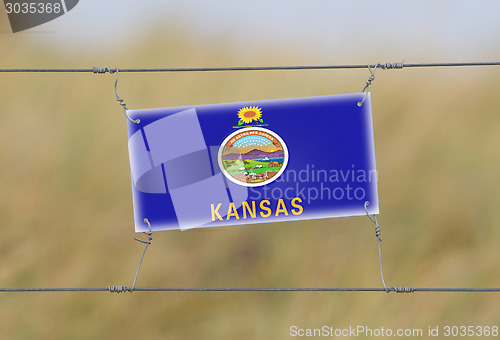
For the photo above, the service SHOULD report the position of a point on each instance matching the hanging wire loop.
(149, 234)
(102, 70)
(122, 289)
(122, 103)
(368, 83)
(373, 218)
(371, 78)
(377, 235)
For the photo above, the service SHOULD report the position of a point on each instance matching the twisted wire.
(392, 66)
(122, 289)
(147, 242)
(118, 99)
(404, 289)
(377, 234)
(117, 289)
(102, 70)
(368, 83)
(379, 239)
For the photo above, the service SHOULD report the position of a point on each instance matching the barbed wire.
(398, 65)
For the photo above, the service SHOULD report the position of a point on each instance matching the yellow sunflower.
(249, 114)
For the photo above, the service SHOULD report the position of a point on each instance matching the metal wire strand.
(102, 70)
(119, 289)
(377, 235)
(147, 243)
(120, 100)
(249, 68)
(368, 83)
(122, 289)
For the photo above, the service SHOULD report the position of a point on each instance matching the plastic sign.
(252, 162)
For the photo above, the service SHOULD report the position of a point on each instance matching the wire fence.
(371, 67)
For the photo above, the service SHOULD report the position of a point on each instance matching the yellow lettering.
(262, 207)
(216, 212)
(281, 208)
(300, 209)
(252, 212)
(232, 211)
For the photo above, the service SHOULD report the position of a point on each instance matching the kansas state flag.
(252, 162)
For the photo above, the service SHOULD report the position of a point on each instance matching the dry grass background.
(66, 207)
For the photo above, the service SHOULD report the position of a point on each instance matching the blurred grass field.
(66, 206)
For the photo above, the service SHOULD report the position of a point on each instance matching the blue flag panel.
(252, 162)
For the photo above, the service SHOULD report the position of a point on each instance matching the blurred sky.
(424, 30)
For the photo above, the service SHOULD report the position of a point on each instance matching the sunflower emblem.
(250, 114)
